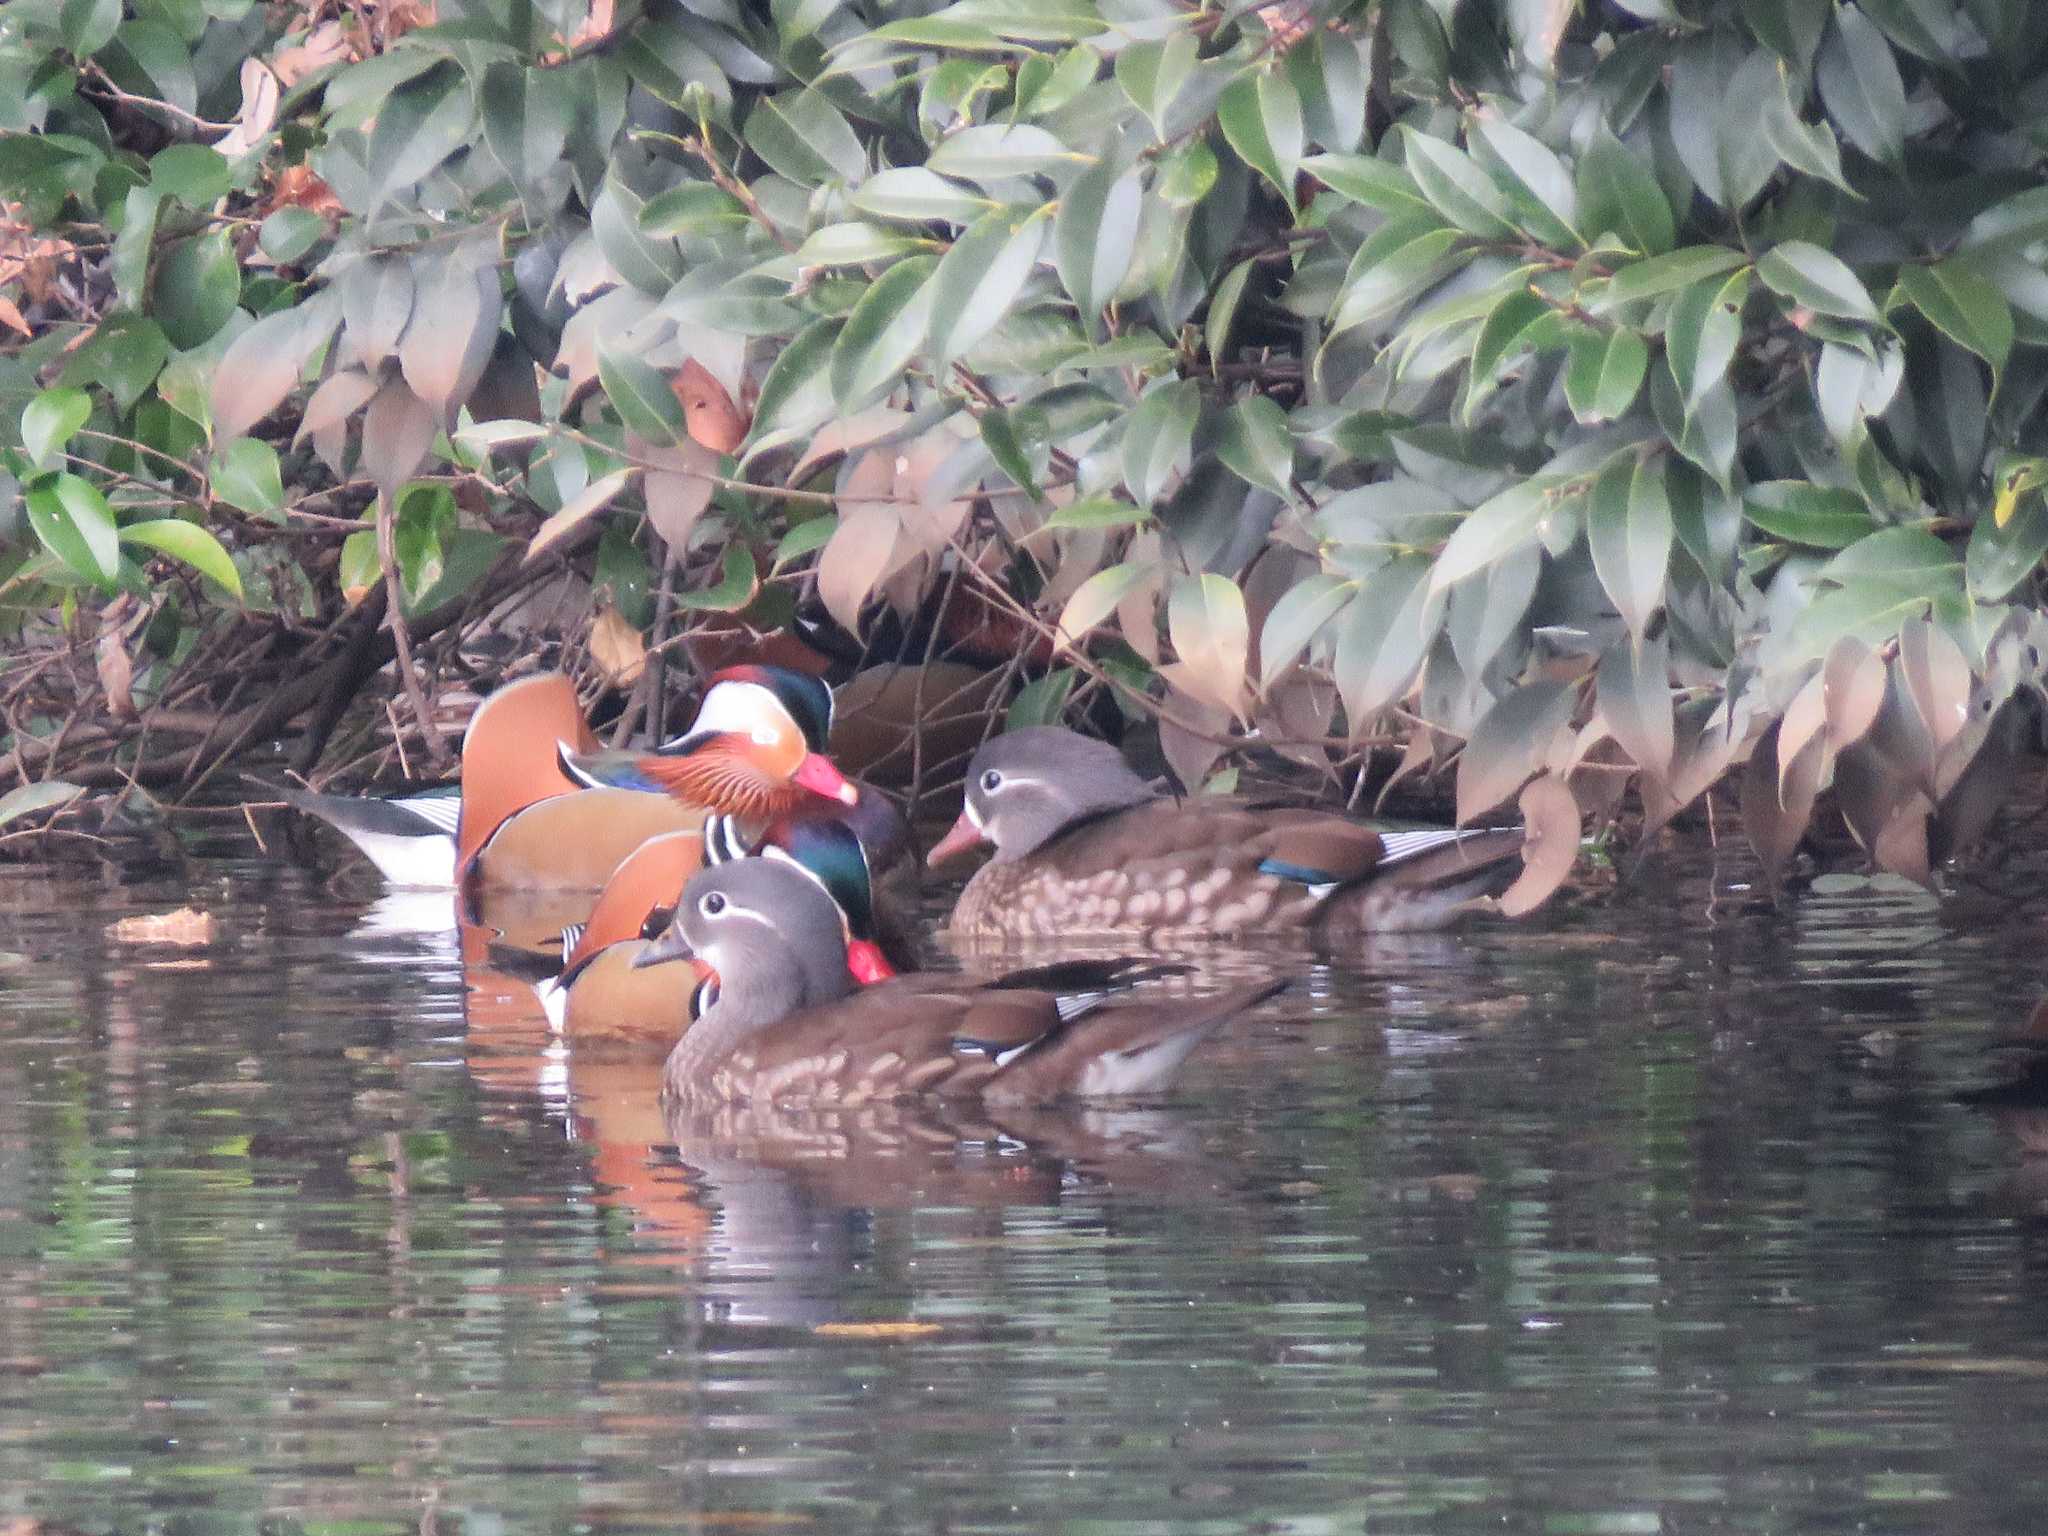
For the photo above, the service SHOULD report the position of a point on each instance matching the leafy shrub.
(1599, 395)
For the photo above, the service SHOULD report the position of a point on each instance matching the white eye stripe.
(745, 709)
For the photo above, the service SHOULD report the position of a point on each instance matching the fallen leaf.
(876, 1330)
(11, 317)
(186, 926)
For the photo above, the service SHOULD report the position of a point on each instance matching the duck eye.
(711, 903)
(991, 781)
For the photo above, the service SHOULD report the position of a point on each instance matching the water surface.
(1648, 1216)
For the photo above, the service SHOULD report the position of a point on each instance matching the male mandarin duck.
(599, 1001)
(785, 1024)
(540, 807)
(1083, 844)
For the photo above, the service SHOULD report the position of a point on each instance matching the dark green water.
(1656, 1218)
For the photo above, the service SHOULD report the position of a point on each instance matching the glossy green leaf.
(1504, 332)
(49, 421)
(1822, 517)
(1159, 438)
(739, 580)
(1619, 195)
(43, 794)
(1379, 283)
(993, 151)
(195, 290)
(1860, 85)
(1702, 333)
(128, 262)
(1386, 631)
(1096, 599)
(1664, 274)
(855, 243)
(189, 542)
(1304, 611)
(980, 277)
(1998, 558)
(1364, 179)
(1261, 119)
(885, 331)
(1629, 533)
(192, 173)
(694, 208)
(642, 396)
(1540, 190)
(1605, 372)
(803, 136)
(1095, 235)
(1456, 187)
(1152, 72)
(1817, 279)
(1254, 444)
(75, 524)
(246, 475)
(1097, 512)
(917, 194)
(1964, 306)
(1496, 527)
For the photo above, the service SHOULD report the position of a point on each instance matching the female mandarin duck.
(784, 1023)
(601, 1002)
(540, 807)
(1082, 844)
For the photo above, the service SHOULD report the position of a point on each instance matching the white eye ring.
(711, 903)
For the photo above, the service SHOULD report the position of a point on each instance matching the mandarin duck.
(599, 1001)
(1083, 844)
(784, 1024)
(540, 807)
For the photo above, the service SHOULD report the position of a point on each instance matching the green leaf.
(1380, 282)
(1250, 127)
(129, 260)
(805, 538)
(915, 194)
(1806, 147)
(1043, 701)
(1964, 306)
(1388, 628)
(75, 524)
(1255, 445)
(1701, 335)
(1504, 331)
(1185, 175)
(694, 208)
(1822, 517)
(1303, 612)
(190, 543)
(1097, 512)
(994, 152)
(49, 420)
(196, 288)
(527, 118)
(646, 404)
(737, 583)
(1629, 533)
(289, 233)
(796, 395)
(1095, 234)
(999, 436)
(124, 357)
(1860, 85)
(88, 25)
(246, 475)
(1152, 72)
(1619, 195)
(1664, 274)
(1605, 372)
(885, 331)
(1496, 527)
(1096, 598)
(855, 243)
(979, 279)
(1456, 187)
(195, 175)
(1375, 183)
(804, 137)
(419, 125)
(1159, 438)
(1540, 191)
(1819, 280)
(1223, 310)
(2000, 558)
(1911, 558)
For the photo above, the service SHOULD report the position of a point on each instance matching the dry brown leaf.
(877, 1330)
(326, 44)
(708, 411)
(116, 671)
(616, 647)
(259, 110)
(1550, 846)
(187, 927)
(11, 317)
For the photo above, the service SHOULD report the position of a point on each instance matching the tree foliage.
(1626, 394)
